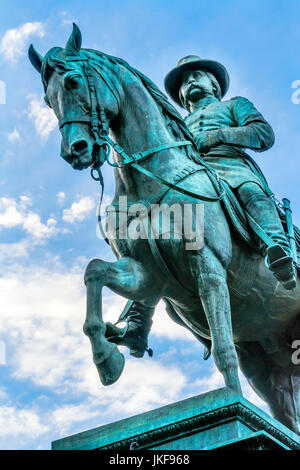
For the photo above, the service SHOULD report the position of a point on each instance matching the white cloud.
(16, 422)
(15, 213)
(60, 197)
(63, 418)
(211, 381)
(146, 384)
(41, 316)
(42, 313)
(79, 210)
(33, 225)
(10, 215)
(3, 395)
(2, 356)
(157, 385)
(42, 116)
(13, 42)
(25, 201)
(163, 326)
(13, 136)
(11, 251)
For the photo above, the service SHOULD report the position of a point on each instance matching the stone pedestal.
(218, 420)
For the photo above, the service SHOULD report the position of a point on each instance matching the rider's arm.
(252, 130)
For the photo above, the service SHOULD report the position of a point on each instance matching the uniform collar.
(208, 100)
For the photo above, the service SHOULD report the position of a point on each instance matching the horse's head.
(80, 99)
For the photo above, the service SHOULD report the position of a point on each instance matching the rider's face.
(196, 84)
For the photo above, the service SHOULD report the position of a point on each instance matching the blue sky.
(48, 385)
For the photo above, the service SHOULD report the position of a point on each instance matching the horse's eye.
(72, 82)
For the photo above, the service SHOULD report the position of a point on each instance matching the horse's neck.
(141, 126)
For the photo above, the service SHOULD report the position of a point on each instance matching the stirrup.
(282, 266)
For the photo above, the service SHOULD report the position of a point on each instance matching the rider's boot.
(278, 257)
(134, 335)
(282, 266)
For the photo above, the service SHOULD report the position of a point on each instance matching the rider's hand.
(206, 140)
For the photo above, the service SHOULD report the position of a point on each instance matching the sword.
(290, 227)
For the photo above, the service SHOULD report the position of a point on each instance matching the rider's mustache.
(196, 86)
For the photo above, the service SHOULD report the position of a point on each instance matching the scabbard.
(290, 227)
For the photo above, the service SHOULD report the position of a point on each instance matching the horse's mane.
(54, 61)
(176, 122)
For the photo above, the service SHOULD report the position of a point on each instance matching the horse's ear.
(35, 58)
(73, 45)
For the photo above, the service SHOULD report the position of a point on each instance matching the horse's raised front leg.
(126, 277)
(215, 299)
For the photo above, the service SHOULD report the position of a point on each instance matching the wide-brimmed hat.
(173, 79)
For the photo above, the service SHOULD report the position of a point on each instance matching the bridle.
(99, 128)
(96, 118)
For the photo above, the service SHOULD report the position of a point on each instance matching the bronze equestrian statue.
(223, 292)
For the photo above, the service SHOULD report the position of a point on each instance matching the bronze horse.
(222, 290)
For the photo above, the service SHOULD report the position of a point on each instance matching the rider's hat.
(173, 79)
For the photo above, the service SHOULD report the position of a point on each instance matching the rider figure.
(222, 129)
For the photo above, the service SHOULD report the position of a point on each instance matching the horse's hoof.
(111, 369)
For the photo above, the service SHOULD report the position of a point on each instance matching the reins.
(99, 128)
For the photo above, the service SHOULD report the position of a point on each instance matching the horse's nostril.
(79, 147)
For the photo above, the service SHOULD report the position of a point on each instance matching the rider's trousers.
(263, 210)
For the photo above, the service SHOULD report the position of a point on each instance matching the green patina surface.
(212, 420)
(220, 289)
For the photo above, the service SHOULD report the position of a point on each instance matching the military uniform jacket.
(232, 126)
